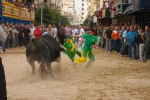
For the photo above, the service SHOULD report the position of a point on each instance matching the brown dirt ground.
(110, 78)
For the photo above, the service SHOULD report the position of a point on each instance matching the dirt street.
(110, 78)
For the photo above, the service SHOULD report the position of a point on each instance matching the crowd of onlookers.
(128, 40)
(132, 41)
(21, 4)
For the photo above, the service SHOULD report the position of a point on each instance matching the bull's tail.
(63, 48)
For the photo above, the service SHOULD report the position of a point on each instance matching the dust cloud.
(110, 78)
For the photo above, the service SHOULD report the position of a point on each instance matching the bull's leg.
(42, 70)
(50, 70)
(31, 62)
(58, 62)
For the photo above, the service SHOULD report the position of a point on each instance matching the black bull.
(44, 50)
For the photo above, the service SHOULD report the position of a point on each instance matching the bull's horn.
(64, 48)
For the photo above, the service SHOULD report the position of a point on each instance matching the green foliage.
(50, 16)
(65, 20)
(85, 22)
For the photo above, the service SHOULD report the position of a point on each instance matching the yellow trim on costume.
(69, 40)
(80, 60)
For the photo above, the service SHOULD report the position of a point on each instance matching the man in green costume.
(71, 50)
(91, 42)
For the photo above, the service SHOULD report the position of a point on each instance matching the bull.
(44, 50)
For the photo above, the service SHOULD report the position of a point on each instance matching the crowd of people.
(127, 40)
(21, 4)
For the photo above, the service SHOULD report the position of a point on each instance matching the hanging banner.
(7, 9)
(16, 13)
(22, 16)
(12, 11)
(32, 16)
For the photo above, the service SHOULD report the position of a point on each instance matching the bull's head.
(33, 47)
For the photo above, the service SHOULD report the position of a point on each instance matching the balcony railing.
(12, 11)
(105, 13)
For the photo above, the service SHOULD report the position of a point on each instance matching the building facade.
(68, 9)
(85, 9)
(120, 11)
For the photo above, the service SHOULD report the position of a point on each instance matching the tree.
(50, 16)
(64, 20)
(85, 22)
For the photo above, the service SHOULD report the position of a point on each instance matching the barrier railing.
(12, 11)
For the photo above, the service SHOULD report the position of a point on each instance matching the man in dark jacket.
(62, 34)
(147, 42)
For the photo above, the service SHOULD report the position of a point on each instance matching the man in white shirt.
(50, 30)
(32, 28)
(74, 31)
(80, 40)
(55, 31)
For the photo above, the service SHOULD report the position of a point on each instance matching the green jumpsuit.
(87, 50)
(69, 45)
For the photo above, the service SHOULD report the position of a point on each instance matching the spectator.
(67, 31)
(147, 42)
(141, 39)
(5, 29)
(32, 28)
(115, 37)
(58, 27)
(121, 37)
(132, 43)
(108, 33)
(37, 32)
(50, 30)
(21, 41)
(55, 32)
(99, 35)
(124, 49)
(14, 32)
(62, 34)
(74, 31)
(26, 35)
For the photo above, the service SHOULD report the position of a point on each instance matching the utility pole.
(42, 13)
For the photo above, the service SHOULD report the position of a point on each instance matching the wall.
(121, 20)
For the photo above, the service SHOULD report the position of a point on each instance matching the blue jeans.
(66, 36)
(115, 43)
(131, 45)
(3, 46)
(26, 40)
(16, 40)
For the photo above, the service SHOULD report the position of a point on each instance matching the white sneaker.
(97, 47)
(139, 59)
(2, 51)
(109, 52)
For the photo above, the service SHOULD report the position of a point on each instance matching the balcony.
(121, 6)
(105, 13)
(12, 11)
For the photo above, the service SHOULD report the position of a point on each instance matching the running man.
(71, 50)
(91, 42)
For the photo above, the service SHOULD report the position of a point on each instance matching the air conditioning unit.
(123, 1)
(130, 1)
